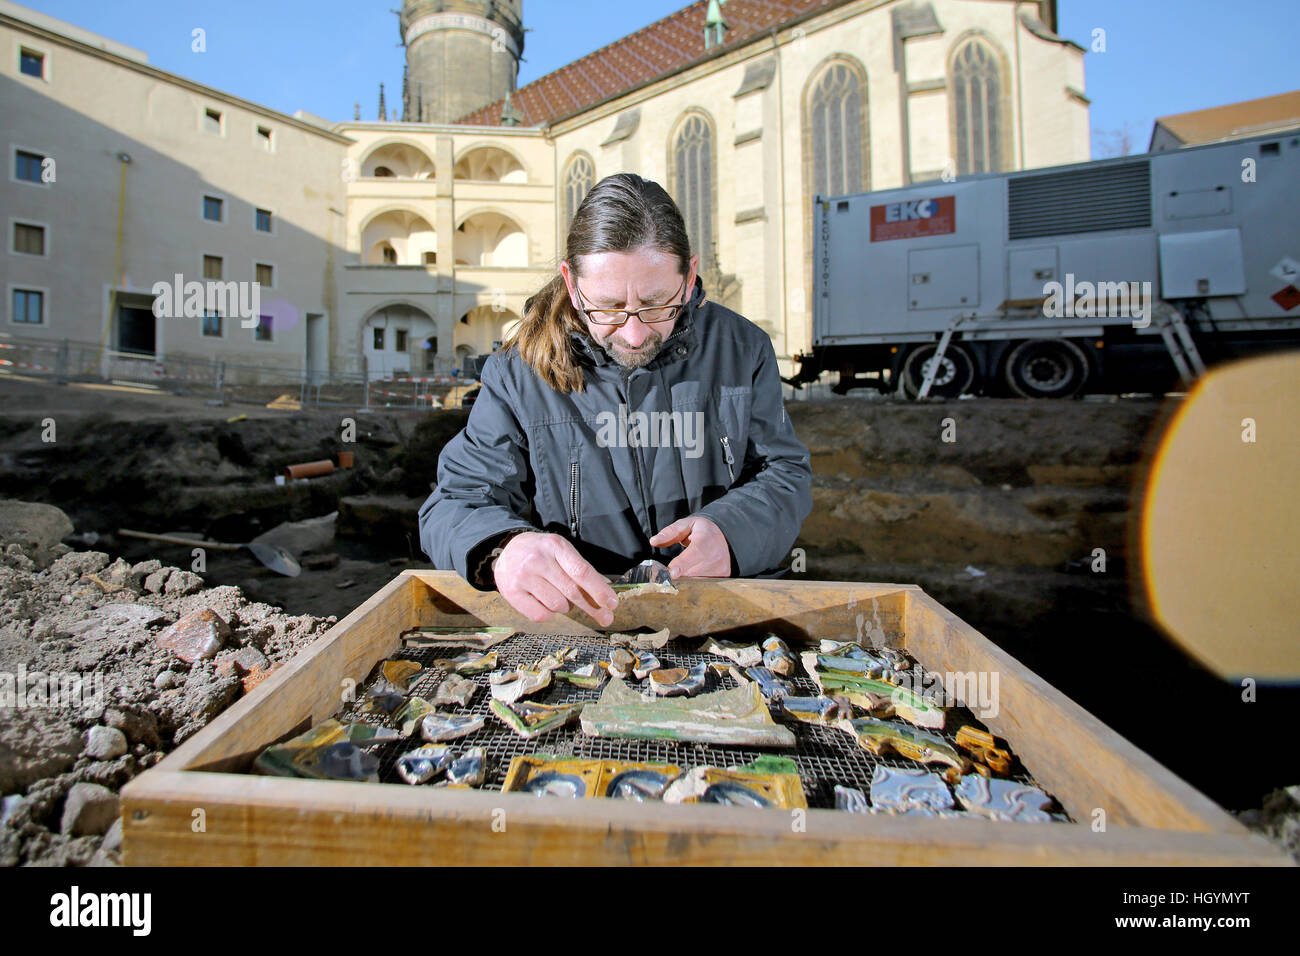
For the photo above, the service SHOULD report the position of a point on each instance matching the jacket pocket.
(733, 410)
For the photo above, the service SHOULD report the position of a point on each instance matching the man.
(627, 418)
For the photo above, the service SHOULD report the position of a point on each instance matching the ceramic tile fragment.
(896, 790)
(743, 655)
(737, 715)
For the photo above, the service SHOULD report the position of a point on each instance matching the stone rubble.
(116, 665)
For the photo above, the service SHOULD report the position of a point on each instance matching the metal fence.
(228, 382)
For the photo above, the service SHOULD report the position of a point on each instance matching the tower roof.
(663, 47)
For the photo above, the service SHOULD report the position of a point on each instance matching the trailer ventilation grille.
(1087, 200)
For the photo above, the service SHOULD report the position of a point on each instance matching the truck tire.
(1047, 368)
(956, 371)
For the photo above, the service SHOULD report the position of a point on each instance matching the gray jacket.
(700, 430)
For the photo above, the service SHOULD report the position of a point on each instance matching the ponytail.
(542, 338)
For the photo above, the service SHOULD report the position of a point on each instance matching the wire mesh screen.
(824, 756)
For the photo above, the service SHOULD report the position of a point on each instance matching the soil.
(101, 619)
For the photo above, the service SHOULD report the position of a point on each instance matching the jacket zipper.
(636, 460)
(726, 450)
(573, 498)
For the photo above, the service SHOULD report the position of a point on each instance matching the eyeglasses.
(649, 314)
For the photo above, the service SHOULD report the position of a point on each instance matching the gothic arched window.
(578, 181)
(693, 171)
(978, 120)
(835, 107)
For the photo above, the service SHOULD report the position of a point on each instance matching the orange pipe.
(345, 459)
(309, 469)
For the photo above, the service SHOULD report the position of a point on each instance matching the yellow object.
(285, 401)
(237, 418)
(595, 775)
(783, 790)
(454, 395)
(1220, 535)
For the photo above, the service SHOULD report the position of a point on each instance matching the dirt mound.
(94, 690)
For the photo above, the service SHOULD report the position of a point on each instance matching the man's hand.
(543, 574)
(706, 554)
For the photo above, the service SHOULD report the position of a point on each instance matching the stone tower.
(460, 55)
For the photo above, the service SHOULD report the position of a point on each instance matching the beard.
(633, 358)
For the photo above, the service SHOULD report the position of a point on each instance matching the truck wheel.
(956, 371)
(1047, 368)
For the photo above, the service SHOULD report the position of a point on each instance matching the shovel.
(277, 559)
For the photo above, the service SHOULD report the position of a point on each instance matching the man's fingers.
(591, 581)
(549, 596)
(683, 569)
(595, 589)
(569, 588)
(675, 532)
(525, 604)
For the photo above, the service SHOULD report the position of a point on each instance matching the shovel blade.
(277, 559)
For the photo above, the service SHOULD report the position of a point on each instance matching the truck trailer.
(1121, 275)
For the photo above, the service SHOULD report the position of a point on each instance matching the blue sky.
(1161, 57)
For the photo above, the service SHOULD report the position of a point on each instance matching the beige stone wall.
(94, 104)
(487, 195)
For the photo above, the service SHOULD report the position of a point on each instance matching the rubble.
(196, 636)
(96, 687)
(105, 743)
(36, 528)
(89, 809)
(1278, 819)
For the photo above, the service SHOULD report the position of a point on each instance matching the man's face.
(629, 280)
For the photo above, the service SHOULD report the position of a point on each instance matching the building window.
(693, 185)
(977, 104)
(264, 137)
(835, 124)
(212, 121)
(31, 63)
(431, 258)
(29, 306)
(383, 172)
(29, 239)
(212, 208)
(212, 324)
(577, 183)
(265, 275)
(378, 340)
(27, 166)
(262, 220)
(399, 342)
(263, 331)
(390, 255)
(212, 267)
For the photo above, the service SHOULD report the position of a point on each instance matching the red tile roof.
(1247, 118)
(654, 51)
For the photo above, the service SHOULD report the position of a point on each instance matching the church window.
(977, 104)
(693, 170)
(577, 182)
(835, 115)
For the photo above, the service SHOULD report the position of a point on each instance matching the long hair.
(621, 213)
